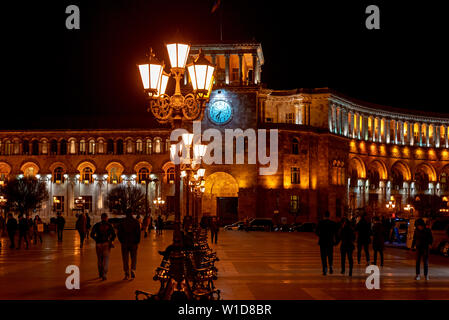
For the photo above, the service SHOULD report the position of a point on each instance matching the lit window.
(86, 176)
(92, 146)
(149, 147)
(129, 146)
(171, 175)
(144, 175)
(100, 146)
(58, 175)
(295, 175)
(8, 147)
(290, 117)
(44, 149)
(72, 146)
(139, 146)
(114, 176)
(58, 203)
(294, 204)
(82, 147)
(157, 145)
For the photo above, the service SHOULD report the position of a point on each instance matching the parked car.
(260, 224)
(235, 226)
(440, 233)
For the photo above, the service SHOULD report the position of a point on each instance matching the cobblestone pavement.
(253, 265)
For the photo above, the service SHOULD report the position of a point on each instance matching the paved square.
(253, 265)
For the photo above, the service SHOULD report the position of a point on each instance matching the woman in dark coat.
(378, 240)
(346, 236)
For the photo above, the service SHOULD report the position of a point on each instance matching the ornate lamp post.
(177, 109)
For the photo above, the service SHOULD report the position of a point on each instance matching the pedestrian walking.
(326, 231)
(150, 224)
(422, 240)
(363, 229)
(30, 228)
(346, 236)
(38, 228)
(88, 224)
(128, 234)
(60, 223)
(103, 233)
(159, 225)
(378, 240)
(81, 227)
(145, 224)
(11, 228)
(214, 228)
(23, 231)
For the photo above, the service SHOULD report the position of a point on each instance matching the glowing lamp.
(162, 84)
(178, 54)
(201, 73)
(183, 173)
(151, 73)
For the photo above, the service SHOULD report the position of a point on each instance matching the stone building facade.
(335, 153)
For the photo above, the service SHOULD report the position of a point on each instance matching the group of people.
(362, 233)
(29, 230)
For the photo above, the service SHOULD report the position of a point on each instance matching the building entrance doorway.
(227, 210)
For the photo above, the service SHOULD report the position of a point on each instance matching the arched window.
(295, 146)
(44, 147)
(110, 146)
(101, 146)
(167, 145)
(149, 147)
(144, 175)
(92, 146)
(114, 175)
(82, 146)
(72, 146)
(35, 147)
(58, 175)
(53, 147)
(119, 146)
(25, 147)
(129, 146)
(63, 147)
(8, 147)
(139, 146)
(171, 175)
(157, 145)
(86, 176)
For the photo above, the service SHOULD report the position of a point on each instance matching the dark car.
(235, 226)
(307, 227)
(260, 224)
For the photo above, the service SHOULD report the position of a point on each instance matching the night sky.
(87, 78)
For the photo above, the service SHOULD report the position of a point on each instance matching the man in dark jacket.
(378, 240)
(346, 236)
(422, 240)
(81, 227)
(103, 233)
(363, 229)
(214, 227)
(11, 228)
(326, 231)
(24, 228)
(60, 223)
(128, 234)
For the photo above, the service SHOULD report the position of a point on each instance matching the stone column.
(395, 127)
(401, 132)
(350, 124)
(240, 68)
(411, 134)
(427, 135)
(334, 118)
(345, 123)
(227, 75)
(356, 126)
(387, 131)
(329, 115)
(436, 136)
(254, 68)
(419, 134)
(446, 133)
(365, 127)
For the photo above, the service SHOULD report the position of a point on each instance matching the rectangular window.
(294, 204)
(290, 117)
(58, 203)
(83, 203)
(295, 176)
(235, 74)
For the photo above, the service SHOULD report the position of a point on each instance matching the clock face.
(220, 112)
